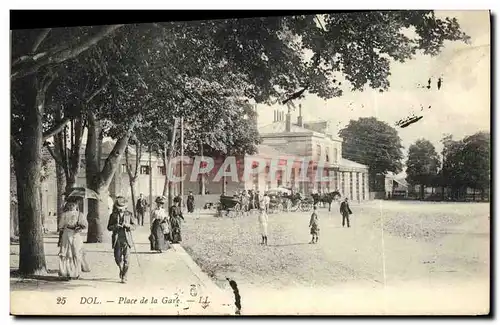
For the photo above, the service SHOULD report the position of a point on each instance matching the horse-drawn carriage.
(232, 205)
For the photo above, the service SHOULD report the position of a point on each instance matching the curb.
(210, 286)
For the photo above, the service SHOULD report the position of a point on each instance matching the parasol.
(279, 190)
(83, 193)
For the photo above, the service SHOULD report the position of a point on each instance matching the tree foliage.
(422, 164)
(467, 162)
(374, 143)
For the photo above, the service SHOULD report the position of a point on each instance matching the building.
(311, 140)
(396, 187)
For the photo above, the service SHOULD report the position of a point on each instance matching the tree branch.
(40, 38)
(55, 129)
(65, 53)
(115, 155)
(53, 154)
(97, 92)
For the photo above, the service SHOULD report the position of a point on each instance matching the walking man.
(345, 210)
(140, 207)
(121, 223)
(190, 202)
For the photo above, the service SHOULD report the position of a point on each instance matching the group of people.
(263, 219)
(165, 229)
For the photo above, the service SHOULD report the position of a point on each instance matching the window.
(123, 168)
(144, 170)
(327, 158)
(357, 186)
(335, 153)
(318, 151)
(363, 186)
(161, 170)
(279, 177)
(350, 186)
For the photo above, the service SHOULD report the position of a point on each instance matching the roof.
(349, 163)
(280, 127)
(271, 152)
(401, 182)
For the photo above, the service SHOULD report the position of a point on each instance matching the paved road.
(397, 258)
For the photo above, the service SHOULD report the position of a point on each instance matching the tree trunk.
(132, 194)
(422, 191)
(61, 190)
(202, 176)
(92, 171)
(166, 185)
(99, 180)
(27, 162)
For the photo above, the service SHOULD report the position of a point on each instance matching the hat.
(120, 202)
(160, 200)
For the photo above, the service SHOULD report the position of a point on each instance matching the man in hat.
(140, 207)
(345, 210)
(121, 223)
(190, 202)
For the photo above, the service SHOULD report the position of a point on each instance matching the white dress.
(71, 254)
(263, 222)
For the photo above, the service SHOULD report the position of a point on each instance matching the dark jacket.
(344, 208)
(114, 226)
(141, 205)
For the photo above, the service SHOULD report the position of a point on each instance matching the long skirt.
(71, 255)
(157, 238)
(263, 228)
(176, 235)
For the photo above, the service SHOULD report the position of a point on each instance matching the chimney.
(299, 119)
(288, 127)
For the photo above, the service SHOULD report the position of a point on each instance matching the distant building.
(396, 187)
(311, 140)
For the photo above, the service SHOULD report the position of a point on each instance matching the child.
(314, 225)
(263, 224)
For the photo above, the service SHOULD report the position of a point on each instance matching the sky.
(461, 107)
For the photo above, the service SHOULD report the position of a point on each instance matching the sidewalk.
(168, 277)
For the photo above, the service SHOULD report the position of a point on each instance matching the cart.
(231, 205)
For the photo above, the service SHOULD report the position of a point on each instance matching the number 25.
(61, 300)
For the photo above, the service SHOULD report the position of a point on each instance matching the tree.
(133, 172)
(374, 143)
(422, 164)
(476, 155)
(467, 164)
(36, 55)
(267, 53)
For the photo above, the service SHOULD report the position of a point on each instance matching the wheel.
(279, 208)
(237, 207)
(305, 206)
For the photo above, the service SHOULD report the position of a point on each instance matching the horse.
(326, 198)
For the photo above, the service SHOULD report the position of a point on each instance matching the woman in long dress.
(160, 228)
(175, 221)
(71, 254)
